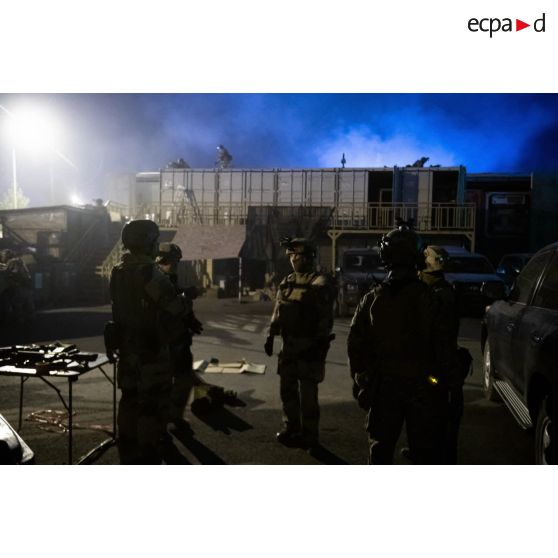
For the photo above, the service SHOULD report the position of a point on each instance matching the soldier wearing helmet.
(303, 317)
(144, 303)
(398, 348)
(16, 301)
(169, 255)
(436, 261)
(183, 377)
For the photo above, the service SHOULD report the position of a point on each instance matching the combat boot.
(290, 438)
(311, 444)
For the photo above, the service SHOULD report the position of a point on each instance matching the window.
(507, 214)
(362, 262)
(547, 295)
(527, 279)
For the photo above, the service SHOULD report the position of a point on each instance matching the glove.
(361, 390)
(191, 292)
(364, 399)
(362, 380)
(196, 326)
(355, 390)
(268, 347)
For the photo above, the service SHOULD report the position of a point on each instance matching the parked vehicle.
(361, 269)
(510, 265)
(467, 272)
(519, 341)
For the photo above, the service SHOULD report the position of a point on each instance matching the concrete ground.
(243, 433)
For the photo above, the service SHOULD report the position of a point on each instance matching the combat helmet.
(298, 246)
(436, 258)
(140, 235)
(401, 247)
(169, 253)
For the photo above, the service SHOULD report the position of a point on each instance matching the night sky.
(127, 133)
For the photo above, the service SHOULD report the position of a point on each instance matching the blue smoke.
(128, 133)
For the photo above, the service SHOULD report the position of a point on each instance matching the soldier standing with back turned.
(144, 303)
(303, 317)
(398, 349)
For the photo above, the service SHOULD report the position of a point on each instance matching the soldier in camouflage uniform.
(145, 305)
(398, 349)
(17, 303)
(183, 377)
(436, 259)
(303, 317)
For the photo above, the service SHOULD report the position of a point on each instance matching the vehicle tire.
(542, 435)
(490, 392)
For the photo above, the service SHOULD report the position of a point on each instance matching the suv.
(467, 272)
(519, 341)
(361, 269)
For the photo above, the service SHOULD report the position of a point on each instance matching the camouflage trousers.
(143, 410)
(419, 405)
(299, 395)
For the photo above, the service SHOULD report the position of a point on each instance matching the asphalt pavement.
(243, 432)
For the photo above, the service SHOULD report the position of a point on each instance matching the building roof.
(215, 242)
(47, 208)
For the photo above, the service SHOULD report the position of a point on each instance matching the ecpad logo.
(492, 25)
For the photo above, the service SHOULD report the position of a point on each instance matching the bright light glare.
(33, 129)
(75, 200)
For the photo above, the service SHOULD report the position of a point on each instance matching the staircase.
(92, 287)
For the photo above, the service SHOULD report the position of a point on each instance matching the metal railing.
(426, 217)
(115, 208)
(367, 216)
(206, 213)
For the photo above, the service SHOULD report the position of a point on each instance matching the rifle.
(44, 358)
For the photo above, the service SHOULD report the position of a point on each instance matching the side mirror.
(494, 290)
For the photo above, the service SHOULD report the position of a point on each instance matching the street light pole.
(51, 176)
(14, 175)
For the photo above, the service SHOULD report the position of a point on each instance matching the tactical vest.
(401, 321)
(300, 301)
(134, 312)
